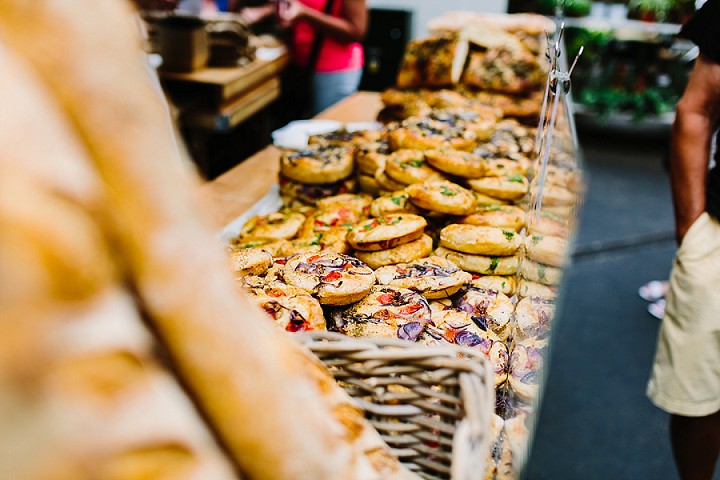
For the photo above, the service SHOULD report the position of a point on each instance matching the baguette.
(242, 371)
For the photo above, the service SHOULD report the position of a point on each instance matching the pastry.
(358, 203)
(406, 252)
(333, 278)
(385, 232)
(500, 283)
(249, 261)
(442, 197)
(409, 166)
(324, 220)
(540, 273)
(527, 288)
(339, 137)
(533, 316)
(395, 202)
(387, 183)
(333, 239)
(309, 193)
(319, 164)
(385, 312)
(434, 277)
(502, 216)
(272, 226)
(511, 187)
(368, 184)
(546, 249)
(489, 309)
(473, 239)
(527, 358)
(369, 157)
(292, 308)
(457, 162)
(276, 248)
(482, 264)
(483, 200)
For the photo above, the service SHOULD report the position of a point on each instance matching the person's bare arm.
(350, 27)
(697, 115)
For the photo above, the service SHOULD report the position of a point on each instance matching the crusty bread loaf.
(248, 378)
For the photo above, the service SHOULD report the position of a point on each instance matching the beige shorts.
(685, 379)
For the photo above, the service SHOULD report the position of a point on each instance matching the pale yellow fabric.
(685, 378)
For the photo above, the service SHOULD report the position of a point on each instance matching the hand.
(289, 12)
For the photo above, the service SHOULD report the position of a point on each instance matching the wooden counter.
(232, 193)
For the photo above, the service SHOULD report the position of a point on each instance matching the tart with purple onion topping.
(333, 278)
(489, 309)
(385, 312)
(293, 309)
(526, 366)
(434, 277)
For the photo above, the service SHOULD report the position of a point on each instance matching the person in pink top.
(340, 57)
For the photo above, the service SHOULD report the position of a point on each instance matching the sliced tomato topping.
(274, 292)
(385, 298)
(298, 327)
(410, 309)
(475, 276)
(313, 258)
(332, 276)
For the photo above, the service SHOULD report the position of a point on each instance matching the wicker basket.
(432, 405)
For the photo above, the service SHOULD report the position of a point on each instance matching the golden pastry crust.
(455, 327)
(540, 273)
(309, 194)
(434, 277)
(557, 196)
(526, 367)
(533, 318)
(395, 202)
(386, 182)
(406, 252)
(480, 240)
(371, 156)
(506, 166)
(368, 184)
(511, 187)
(276, 248)
(324, 220)
(503, 216)
(426, 133)
(442, 197)
(333, 239)
(503, 70)
(482, 264)
(317, 164)
(547, 223)
(333, 278)
(249, 261)
(500, 283)
(527, 288)
(292, 308)
(385, 312)
(483, 200)
(386, 232)
(340, 137)
(456, 162)
(273, 226)
(489, 309)
(546, 249)
(409, 166)
(358, 203)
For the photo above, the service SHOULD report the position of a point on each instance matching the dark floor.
(595, 421)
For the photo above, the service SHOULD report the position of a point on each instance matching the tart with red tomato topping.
(452, 326)
(290, 307)
(434, 277)
(358, 203)
(333, 278)
(385, 312)
(385, 232)
(272, 226)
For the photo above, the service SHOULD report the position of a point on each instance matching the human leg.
(696, 445)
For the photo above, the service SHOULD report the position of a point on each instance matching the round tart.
(540, 273)
(409, 166)
(547, 224)
(499, 283)
(386, 232)
(546, 249)
(276, 248)
(371, 156)
(358, 203)
(502, 216)
(554, 195)
(385, 312)
(533, 316)
(310, 193)
(249, 261)
(507, 188)
(480, 240)
(452, 326)
(489, 309)
(317, 164)
(442, 197)
(406, 252)
(526, 368)
(292, 308)
(386, 182)
(434, 277)
(339, 137)
(513, 164)
(526, 288)
(368, 184)
(457, 162)
(395, 202)
(334, 278)
(482, 264)
(333, 239)
(273, 226)
(324, 220)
